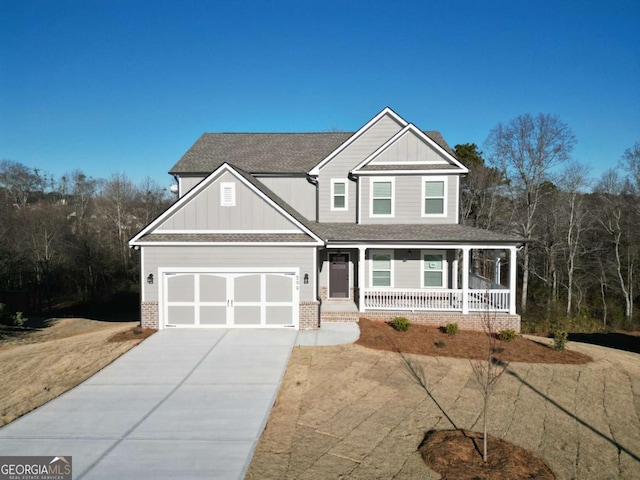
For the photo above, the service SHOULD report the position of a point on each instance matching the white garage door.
(230, 299)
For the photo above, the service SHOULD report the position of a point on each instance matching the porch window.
(434, 193)
(382, 197)
(381, 269)
(434, 272)
(338, 195)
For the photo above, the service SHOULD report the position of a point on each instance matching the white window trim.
(223, 188)
(372, 181)
(445, 267)
(391, 276)
(346, 194)
(445, 192)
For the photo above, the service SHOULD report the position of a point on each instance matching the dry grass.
(424, 340)
(40, 365)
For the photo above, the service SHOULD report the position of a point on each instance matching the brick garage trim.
(471, 321)
(309, 315)
(149, 315)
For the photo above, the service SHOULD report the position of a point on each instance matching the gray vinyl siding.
(184, 257)
(296, 191)
(408, 201)
(187, 183)
(407, 267)
(409, 148)
(204, 212)
(344, 162)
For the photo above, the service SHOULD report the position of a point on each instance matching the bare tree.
(574, 182)
(526, 149)
(488, 371)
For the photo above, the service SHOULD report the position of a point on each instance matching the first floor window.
(433, 269)
(381, 265)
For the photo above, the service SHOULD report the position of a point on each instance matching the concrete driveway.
(183, 404)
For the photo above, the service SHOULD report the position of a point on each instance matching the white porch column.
(465, 280)
(513, 264)
(496, 266)
(361, 279)
(455, 274)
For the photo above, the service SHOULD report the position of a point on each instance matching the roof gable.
(261, 211)
(386, 112)
(414, 151)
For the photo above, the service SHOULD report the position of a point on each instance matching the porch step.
(329, 317)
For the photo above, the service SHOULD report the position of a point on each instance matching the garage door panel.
(279, 288)
(181, 315)
(228, 298)
(279, 315)
(247, 315)
(213, 288)
(247, 288)
(213, 315)
(180, 288)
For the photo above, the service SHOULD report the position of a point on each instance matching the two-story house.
(298, 229)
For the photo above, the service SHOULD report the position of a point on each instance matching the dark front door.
(338, 275)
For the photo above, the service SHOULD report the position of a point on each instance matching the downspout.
(314, 181)
(354, 178)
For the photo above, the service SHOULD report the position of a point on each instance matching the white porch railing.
(442, 299)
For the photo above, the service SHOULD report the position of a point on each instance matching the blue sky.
(113, 86)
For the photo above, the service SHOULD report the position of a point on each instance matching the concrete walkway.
(183, 404)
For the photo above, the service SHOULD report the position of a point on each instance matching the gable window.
(339, 195)
(382, 191)
(381, 269)
(227, 194)
(434, 269)
(434, 194)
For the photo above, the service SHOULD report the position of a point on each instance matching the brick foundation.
(309, 315)
(335, 317)
(324, 295)
(471, 321)
(149, 315)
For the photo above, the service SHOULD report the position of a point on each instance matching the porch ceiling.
(410, 233)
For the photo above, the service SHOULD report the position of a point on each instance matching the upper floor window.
(382, 193)
(227, 194)
(434, 194)
(339, 195)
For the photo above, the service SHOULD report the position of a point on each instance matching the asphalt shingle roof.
(266, 152)
(226, 237)
(409, 233)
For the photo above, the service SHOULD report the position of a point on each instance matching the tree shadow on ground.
(619, 341)
(602, 435)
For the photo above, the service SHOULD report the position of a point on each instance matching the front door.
(338, 275)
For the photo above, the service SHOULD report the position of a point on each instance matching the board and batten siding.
(340, 166)
(408, 201)
(204, 212)
(407, 267)
(231, 257)
(187, 183)
(296, 191)
(409, 149)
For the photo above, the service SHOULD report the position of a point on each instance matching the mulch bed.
(428, 340)
(456, 455)
(135, 333)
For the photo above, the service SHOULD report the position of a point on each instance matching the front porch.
(386, 281)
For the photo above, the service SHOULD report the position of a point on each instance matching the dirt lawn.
(351, 412)
(38, 367)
